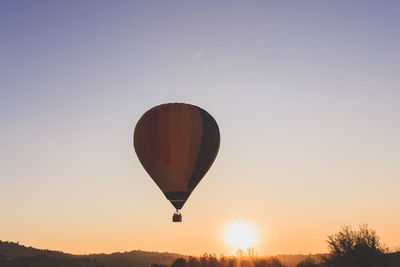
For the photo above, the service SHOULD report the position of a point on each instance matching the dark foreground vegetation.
(15, 255)
(348, 248)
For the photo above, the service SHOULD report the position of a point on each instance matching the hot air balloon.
(176, 144)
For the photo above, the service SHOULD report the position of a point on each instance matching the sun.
(240, 235)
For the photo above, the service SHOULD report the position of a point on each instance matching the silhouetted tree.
(360, 248)
(223, 261)
(193, 262)
(308, 262)
(245, 263)
(232, 262)
(179, 262)
(269, 262)
(204, 260)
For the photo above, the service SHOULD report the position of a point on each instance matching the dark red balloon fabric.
(176, 144)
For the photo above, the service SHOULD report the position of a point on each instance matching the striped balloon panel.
(176, 144)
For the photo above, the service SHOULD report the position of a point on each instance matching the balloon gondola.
(176, 143)
(177, 217)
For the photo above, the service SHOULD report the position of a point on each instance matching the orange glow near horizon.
(241, 235)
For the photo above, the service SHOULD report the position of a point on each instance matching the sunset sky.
(306, 95)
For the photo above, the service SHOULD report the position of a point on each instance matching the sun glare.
(240, 235)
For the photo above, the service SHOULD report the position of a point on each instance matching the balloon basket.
(177, 217)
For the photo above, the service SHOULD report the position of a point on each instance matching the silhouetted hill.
(15, 250)
(16, 255)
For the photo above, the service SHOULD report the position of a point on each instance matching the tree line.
(347, 248)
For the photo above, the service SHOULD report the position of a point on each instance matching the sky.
(306, 95)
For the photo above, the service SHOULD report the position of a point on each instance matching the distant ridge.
(13, 254)
(15, 250)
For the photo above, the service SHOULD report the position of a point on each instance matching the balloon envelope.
(176, 144)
